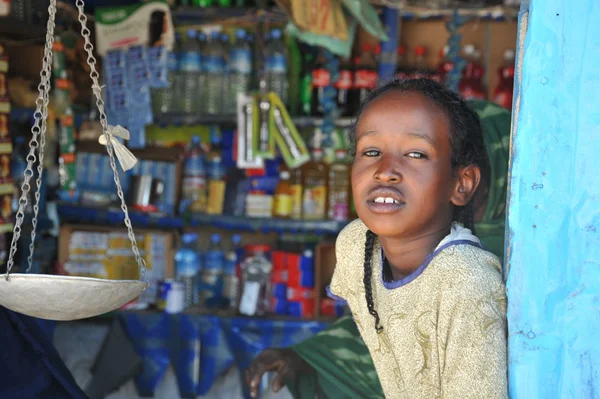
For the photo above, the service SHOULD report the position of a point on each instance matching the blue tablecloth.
(202, 348)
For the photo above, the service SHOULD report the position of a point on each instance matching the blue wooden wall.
(553, 249)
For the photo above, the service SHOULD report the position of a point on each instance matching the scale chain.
(38, 130)
(97, 90)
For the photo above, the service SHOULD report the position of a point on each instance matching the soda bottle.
(320, 81)
(420, 70)
(503, 94)
(365, 76)
(445, 66)
(402, 71)
(306, 87)
(344, 87)
(470, 86)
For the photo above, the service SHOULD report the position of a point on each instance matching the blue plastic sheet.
(202, 348)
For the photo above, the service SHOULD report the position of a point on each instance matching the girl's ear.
(466, 181)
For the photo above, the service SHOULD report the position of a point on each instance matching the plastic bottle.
(282, 202)
(193, 191)
(163, 98)
(402, 71)
(343, 87)
(446, 65)
(296, 193)
(231, 283)
(314, 183)
(240, 70)
(214, 68)
(365, 77)
(276, 66)
(470, 86)
(190, 66)
(201, 79)
(211, 276)
(503, 94)
(320, 81)
(256, 281)
(420, 70)
(216, 186)
(188, 266)
(339, 188)
(305, 83)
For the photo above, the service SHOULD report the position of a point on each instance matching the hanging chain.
(91, 60)
(37, 131)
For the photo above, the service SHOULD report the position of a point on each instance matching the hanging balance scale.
(55, 297)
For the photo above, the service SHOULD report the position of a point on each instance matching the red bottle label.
(345, 81)
(365, 79)
(320, 77)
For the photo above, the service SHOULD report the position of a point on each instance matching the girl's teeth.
(386, 200)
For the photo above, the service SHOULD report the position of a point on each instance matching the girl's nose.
(388, 170)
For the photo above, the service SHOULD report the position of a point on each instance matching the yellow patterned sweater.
(444, 326)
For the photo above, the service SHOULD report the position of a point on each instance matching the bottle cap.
(420, 50)
(191, 33)
(284, 175)
(215, 238)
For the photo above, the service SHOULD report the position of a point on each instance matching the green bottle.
(306, 84)
(203, 3)
(225, 3)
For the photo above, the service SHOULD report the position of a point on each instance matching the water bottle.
(240, 69)
(276, 66)
(190, 66)
(193, 190)
(201, 82)
(187, 267)
(163, 98)
(214, 68)
(211, 281)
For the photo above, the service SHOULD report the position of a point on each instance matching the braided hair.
(467, 148)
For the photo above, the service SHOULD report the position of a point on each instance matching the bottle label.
(340, 212)
(241, 61)
(314, 202)
(190, 62)
(365, 79)
(194, 190)
(283, 205)
(296, 199)
(306, 93)
(276, 63)
(345, 80)
(214, 64)
(216, 196)
(320, 77)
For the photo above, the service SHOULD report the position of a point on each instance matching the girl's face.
(402, 180)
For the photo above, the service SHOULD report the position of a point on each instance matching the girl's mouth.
(385, 204)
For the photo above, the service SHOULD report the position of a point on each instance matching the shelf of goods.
(114, 216)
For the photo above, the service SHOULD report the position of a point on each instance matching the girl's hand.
(286, 363)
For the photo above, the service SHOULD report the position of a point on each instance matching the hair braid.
(369, 244)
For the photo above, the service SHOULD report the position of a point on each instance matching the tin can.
(164, 287)
(175, 302)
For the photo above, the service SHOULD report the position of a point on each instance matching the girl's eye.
(371, 153)
(416, 155)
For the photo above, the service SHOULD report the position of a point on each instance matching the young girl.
(428, 300)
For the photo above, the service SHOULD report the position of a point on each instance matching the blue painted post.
(553, 249)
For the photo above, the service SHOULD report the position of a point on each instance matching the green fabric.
(338, 354)
(495, 122)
